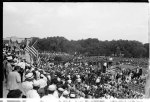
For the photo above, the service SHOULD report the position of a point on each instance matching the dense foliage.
(93, 47)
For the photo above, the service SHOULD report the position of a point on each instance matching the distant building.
(14, 39)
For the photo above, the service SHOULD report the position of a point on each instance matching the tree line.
(93, 47)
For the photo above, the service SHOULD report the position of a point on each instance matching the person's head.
(66, 93)
(15, 94)
(51, 89)
(36, 85)
(9, 59)
(60, 90)
(29, 76)
(16, 68)
(72, 95)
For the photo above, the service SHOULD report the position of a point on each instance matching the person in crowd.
(60, 92)
(14, 80)
(4, 68)
(32, 93)
(74, 79)
(15, 94)
(65, 95)
(43, 83)
(9, 67)
(27, 85)
(22, 68)
(51, 89)
(72, 96)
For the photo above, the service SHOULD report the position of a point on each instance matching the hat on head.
(69, 81)
(58, 79)
(4, 52)
(52, 88)
(110, 59)
(79, 80)
(60, 89)
(97, 80)
(8, 53)
(78, 76)
(29, 76)
(68, 76)
(9, 58)
(72, 95)
(32, 69)
(36, 83)
(49, 77)
(65, 92)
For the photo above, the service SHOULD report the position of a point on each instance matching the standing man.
(8, 67)
(51, 90)
(14, 79)
(104, 67)
(22, 68)
(4, 68)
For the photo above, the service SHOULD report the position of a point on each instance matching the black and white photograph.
(76, 50)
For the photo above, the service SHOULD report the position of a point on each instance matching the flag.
(27, 49)
(32, 50)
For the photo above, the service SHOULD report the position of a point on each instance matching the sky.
(74, 21)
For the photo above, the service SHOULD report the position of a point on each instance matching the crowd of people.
(68, 80)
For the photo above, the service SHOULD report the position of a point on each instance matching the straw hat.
(52, 88)
(29, 76)
(65, 92)
(36, 83)
(72, 95)
(9, 58)
(60, 89)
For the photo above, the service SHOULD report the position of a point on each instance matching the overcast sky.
(74, 21)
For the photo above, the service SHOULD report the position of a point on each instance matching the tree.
(146, 46)
(93, 46)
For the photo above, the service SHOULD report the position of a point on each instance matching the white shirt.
(32, 94)
(22, 65)
(27, 86)
(13, 80)
(56, 94)
(42, 82)
(49, 98)
(62, 97)
(36, 83)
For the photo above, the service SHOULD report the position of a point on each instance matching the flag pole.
(34, 43)
(33, 46)
(27, 43)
